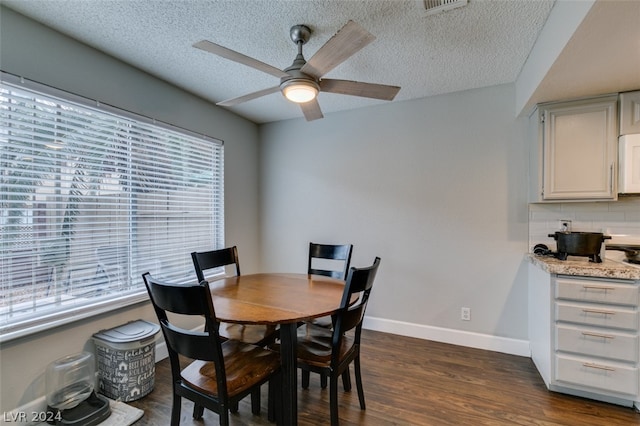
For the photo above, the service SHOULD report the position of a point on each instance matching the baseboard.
(448, 335)
(625, 402)
(437, 334)
(426, 332)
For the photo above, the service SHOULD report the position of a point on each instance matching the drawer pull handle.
(599, 367)
(597, 287)
(604, 336)
(598, 311)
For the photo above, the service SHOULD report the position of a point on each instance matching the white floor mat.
(122, 414)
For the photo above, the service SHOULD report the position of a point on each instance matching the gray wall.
(435, 187)
(35, 52)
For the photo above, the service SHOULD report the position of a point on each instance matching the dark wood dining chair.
(330, 352)
(206, 261)
(329, 260)
(223, 371)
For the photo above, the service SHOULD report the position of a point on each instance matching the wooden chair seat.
(245, 365)
(256, 334)
(314, 345)
(325, 322)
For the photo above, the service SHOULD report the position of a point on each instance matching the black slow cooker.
(586, 244)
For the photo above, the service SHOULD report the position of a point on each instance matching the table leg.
(288, 342)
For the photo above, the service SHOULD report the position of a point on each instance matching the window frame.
(48, 320)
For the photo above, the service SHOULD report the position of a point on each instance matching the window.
(92, 198)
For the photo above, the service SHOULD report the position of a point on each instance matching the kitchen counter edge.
(584, 268)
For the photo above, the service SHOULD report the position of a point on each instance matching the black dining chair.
(329, 260)
(221, 371)
(207, 261)
(330, 352)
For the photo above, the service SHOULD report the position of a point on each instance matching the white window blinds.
(91, 199)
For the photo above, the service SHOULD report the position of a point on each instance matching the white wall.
(35, 52)
(435, 187)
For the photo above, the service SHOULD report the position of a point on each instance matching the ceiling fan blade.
(346, 42)
(311, 110)
(250, 96)
(357, 88)
(232, 55)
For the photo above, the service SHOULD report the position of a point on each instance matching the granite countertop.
(580, 266)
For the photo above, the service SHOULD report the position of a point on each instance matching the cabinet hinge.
(542, 117)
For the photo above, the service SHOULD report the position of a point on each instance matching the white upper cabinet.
(630, 112)
(574, 155)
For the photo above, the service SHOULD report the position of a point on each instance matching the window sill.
(56, 319)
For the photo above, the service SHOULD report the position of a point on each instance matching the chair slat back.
(192, 300)
(191, 344)
(359, 283)
(203, 261)
(330, 252)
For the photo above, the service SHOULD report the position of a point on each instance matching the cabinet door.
(629, 164)
(629, 113)
(580, 150)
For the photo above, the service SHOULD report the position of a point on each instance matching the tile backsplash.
(620, 219)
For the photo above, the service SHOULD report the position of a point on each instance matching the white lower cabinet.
(593, 346)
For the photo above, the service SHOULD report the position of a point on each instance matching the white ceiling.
(482, 44)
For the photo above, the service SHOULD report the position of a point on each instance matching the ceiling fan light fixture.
(300, 90)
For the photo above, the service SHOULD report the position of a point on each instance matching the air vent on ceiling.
(436, 6)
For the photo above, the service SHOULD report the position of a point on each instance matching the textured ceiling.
(482, 44)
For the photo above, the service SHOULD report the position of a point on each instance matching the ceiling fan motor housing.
(300, 33)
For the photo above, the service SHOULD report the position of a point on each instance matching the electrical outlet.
(564, 225)
(465, 314)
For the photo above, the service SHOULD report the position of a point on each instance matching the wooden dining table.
(283, 299)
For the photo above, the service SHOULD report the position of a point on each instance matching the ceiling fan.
(302, 81)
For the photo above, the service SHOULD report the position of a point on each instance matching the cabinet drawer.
(596, 374)
(597, 342)
(597, 291)
(597, 315)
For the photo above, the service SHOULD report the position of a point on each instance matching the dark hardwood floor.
(418, 382)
